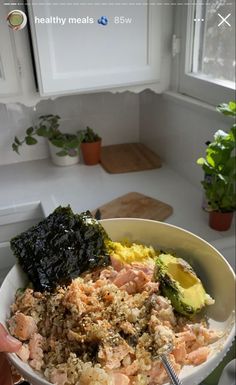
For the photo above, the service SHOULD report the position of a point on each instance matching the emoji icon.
(103, 20)
(16, 20)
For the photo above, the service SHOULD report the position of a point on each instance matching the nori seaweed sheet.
(60, 248)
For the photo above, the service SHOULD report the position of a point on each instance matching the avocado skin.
(169, 290)
(169, 287)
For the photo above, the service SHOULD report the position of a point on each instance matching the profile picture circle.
(16, 19)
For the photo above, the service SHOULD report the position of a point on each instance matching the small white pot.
(61, 160)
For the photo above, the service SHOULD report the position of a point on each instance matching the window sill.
(194, 104)
(187, 100)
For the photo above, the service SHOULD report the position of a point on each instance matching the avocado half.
(180, 284)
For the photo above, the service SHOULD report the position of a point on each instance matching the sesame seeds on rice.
(102, 330)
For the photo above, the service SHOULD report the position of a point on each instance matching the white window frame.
(184, 81)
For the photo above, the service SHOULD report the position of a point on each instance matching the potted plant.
(219, 164)
(64, 147)
(90, 146)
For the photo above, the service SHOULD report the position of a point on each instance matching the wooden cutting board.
(135, 205)
(127, 157)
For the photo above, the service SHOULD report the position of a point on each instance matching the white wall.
(175, 129)
(114, 116)
(178, 129)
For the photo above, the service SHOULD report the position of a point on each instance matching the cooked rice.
(95, 333)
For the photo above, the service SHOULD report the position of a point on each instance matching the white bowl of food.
(199, 345)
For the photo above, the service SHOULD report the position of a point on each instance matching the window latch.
(175, 45)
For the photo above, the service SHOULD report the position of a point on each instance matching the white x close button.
(224, 20)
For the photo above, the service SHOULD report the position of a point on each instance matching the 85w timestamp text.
(122, 20)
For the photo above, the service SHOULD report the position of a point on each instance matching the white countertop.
(88, 187)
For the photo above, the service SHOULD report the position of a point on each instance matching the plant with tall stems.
(220, 164)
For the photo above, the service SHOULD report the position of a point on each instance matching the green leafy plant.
(219, 163)
(48, 127)
(89, 136)
(227, 109)
(68, 143)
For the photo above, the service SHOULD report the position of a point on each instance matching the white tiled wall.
(114, 116)
(177, 130)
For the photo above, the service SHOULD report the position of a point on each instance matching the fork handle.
(170, 370)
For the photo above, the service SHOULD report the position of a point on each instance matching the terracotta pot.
(220, 221)
(91, 152)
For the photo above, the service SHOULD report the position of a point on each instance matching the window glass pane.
(213, 52)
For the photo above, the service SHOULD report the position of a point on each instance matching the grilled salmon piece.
(22, 326)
